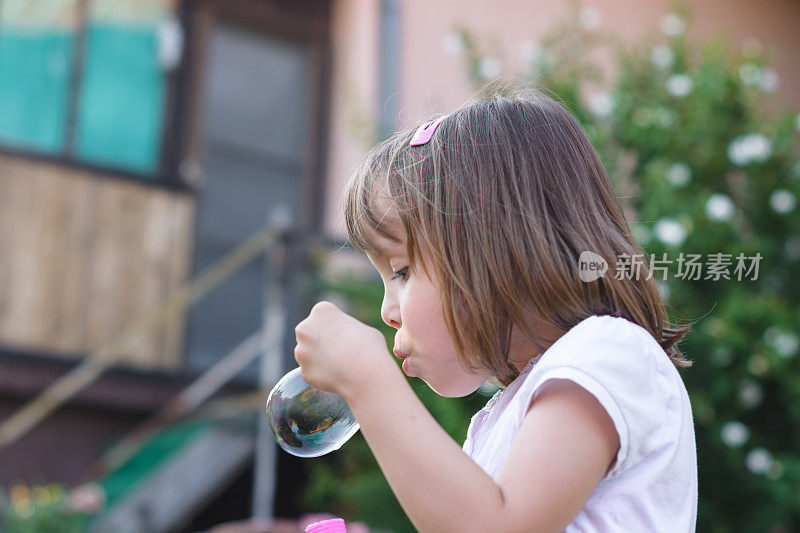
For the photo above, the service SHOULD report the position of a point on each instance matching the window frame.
(166, 173)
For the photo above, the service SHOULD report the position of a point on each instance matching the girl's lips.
(399, 354)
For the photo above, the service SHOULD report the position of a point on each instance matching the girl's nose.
(390, 312)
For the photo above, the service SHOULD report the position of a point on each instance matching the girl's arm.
(563, 449)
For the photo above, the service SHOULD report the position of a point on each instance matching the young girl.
(475, 222)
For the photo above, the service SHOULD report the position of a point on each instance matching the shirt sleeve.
(612, 359)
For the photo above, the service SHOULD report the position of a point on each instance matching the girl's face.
(412, 305)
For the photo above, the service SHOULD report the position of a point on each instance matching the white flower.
(750, 393)
(719, 207)
(758, 460)
(678, 174)
(785, 343)
(453, 43)
(662, 56)
(679, 85)
(489, 67)
(530, 51)
(670, 232)
(672, 25)
(601, 104)
(769, 80)
(589, 18)
(734, 434)
(748, 148)
(782, 201)
(750, 74)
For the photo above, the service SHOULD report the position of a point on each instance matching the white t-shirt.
(653, 484)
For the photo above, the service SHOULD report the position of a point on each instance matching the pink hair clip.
(425, 132)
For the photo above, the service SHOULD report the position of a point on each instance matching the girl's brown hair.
(501, 202)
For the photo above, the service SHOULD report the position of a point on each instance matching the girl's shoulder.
(608, 346)
(625, 369)
(633, 380)
(607, 349)
(605, 331)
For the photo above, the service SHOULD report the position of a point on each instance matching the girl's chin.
(447, 390)
(451, 390)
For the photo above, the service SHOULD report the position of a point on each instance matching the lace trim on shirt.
(526, 370)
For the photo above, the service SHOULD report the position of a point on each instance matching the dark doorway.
(259, 95)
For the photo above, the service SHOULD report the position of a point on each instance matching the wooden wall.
(82, 256)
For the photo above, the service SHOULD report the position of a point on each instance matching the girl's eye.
(402, 273)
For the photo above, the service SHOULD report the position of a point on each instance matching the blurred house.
(141, 140)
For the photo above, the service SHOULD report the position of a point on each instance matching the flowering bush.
(703, 170)
(49, 508)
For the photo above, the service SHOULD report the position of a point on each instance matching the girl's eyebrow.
(381, 252)
(383, 241)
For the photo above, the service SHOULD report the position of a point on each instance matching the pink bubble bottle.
(332, 525)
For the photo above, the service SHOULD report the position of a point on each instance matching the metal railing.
(105, 357)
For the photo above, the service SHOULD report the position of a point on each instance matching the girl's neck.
(523, 350)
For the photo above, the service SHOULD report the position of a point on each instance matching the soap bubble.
(308, 422)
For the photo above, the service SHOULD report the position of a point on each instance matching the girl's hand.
(336, 352)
